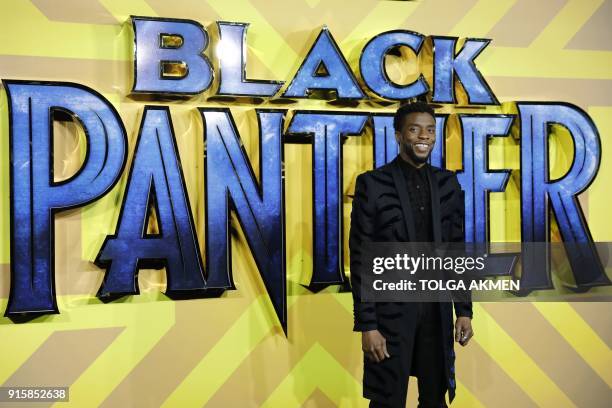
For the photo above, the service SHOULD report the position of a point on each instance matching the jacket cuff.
(463, 311)
(363, 327)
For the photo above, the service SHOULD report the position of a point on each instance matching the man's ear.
(397, 136)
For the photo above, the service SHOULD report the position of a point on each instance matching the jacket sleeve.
(361, 231)
(463, 308)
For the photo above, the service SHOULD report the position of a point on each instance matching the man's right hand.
(374, 346)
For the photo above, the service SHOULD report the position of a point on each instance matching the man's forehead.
(419, 118)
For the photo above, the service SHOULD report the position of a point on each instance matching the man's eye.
(412, 129)
(431, 131)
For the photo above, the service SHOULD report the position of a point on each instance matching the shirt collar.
(409, 167)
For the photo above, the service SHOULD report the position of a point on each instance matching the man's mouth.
(421, 147)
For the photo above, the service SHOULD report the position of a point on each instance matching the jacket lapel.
(402, 192)
(435, 206)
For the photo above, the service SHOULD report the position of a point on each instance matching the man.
(408, 200)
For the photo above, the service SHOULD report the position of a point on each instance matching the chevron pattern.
(148, 351)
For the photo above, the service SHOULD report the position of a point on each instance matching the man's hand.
(374, 346)
(463, 330)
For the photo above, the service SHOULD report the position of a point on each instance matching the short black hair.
(407, 109)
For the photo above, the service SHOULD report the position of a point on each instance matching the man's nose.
(423, 134)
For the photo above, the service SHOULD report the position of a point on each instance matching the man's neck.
(410, 161)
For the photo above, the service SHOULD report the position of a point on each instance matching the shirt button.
(422, 208)
(418, 186)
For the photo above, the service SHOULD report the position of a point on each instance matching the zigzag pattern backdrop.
(147, 350)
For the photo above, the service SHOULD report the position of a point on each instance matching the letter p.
(35, 196)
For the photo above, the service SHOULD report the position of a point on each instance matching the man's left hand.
(463, 330)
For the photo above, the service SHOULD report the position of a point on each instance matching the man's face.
(417, 136)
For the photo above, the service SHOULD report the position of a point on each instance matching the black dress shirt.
(420, 200)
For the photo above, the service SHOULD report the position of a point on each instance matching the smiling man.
(408, 200)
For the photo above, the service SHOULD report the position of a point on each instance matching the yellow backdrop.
(147, 350)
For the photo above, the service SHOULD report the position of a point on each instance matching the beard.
(416, 159)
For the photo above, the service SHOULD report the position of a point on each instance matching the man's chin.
(419, 159)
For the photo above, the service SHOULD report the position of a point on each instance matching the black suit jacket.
(382, 213)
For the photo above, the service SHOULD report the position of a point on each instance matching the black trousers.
(427, 358)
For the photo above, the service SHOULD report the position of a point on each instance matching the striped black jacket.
(382, 213)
